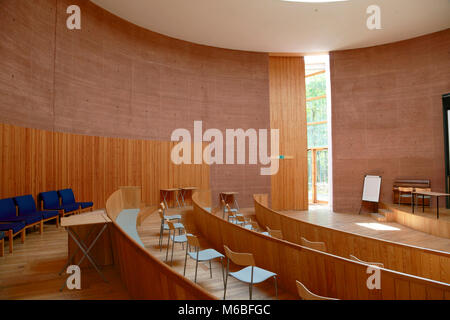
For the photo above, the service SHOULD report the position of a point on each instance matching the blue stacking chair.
(27, 207)
(201, 255)
(51, 201)
(251, 274)
(2, 243)
(12, 229)
(68, 198)
(165, 227)
(8, 213)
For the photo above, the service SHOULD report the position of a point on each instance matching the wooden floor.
(322, 215)
(31, 271)
(149, 234)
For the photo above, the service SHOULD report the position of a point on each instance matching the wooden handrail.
(323, 273)
(422, 262)
(145, 276)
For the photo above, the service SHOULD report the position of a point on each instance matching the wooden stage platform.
(366, 225)
(421, 221)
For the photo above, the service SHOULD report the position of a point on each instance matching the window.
(317, 130)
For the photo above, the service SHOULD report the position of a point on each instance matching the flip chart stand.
(371, 192)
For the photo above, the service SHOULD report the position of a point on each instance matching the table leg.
(164, 198)
(182, 193)
(423, 203)
(437, 207)
(73, 254)
(176, 198)
(413, 201)
(81, 245)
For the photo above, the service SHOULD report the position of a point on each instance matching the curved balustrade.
(323, 273)
(422, 262)
(145, 276)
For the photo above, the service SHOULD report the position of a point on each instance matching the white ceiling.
(279, 26)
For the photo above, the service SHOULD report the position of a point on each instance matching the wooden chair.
(49, 201)
(165, 227)
(167, 217)
(250, 274)
(181, 238)
(275, 233)
(68, 198)
(423, 197)
(12, 229)
(201, 255)
(2, 243)
(241, 221)
(321, 246)
(27, 207)
(376, 264)
(305, 294)
(404, 192)
(231, 215)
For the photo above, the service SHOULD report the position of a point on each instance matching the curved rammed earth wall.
(114, 79)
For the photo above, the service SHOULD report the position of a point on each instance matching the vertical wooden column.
(288, 114)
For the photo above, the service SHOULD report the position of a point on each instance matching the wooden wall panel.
(288, 114)
(115, 79)
(34, 160)
(387, 115)
(323, 273)
(422, 262)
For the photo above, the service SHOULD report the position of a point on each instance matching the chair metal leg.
(196, 267)
(226, 280)
(171, 257)
(223, 272)
(250, 290)
(160, 237)
(276, 287)
(168, 244)
(210, 269)
(185, 260)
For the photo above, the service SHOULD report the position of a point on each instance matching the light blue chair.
(181, 238)
(250, 274)
(201, 255)
(165, 227)
(171, 217)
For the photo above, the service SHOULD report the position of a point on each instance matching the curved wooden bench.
(144, 276)
(323, 273)
(422, 262)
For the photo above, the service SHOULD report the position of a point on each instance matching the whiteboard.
(371, 190)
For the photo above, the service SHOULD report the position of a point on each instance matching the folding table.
(225, 196)
(91, 218)
(166, 192)
(183, 193)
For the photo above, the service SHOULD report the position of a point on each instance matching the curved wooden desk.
(422, 262)
(144, 276)
(323, 273)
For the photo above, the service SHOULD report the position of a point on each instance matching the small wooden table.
(167, 192)
(229, 197)
(431, 194)
(92, 219)
(183, 192)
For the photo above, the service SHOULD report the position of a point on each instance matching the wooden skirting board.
(145, 276)
(422, 262)
(323, 273)
(425, 222)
